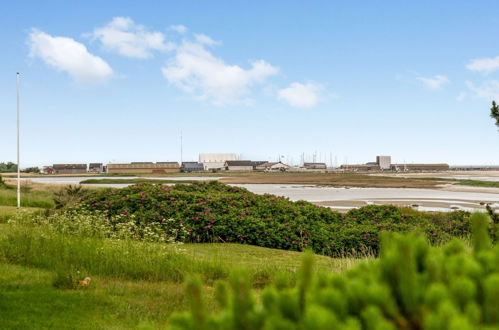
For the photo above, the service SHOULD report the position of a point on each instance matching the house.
(144, 167)
(238, 165)
(258, 163)
(95, 168)
(48, 170)
(315, 166)
(69, 168)
(273, 166)
(191, 167)
(215, 161)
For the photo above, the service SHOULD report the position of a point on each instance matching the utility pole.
(18, 162)
(181, 148)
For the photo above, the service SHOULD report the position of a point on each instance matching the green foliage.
(33, 169)
(8, 167)
(214, 212)
(494, 112)
(69, 196)
(411, 286)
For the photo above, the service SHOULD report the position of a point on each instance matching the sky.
(119, 81)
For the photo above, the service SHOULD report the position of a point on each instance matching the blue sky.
(116, 81)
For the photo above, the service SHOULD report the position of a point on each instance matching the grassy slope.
(132, 282)
(29, 301)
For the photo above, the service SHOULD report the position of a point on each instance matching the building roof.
(315, 165)
(193, 165)
(270, 164)
(239, 163)
(70, 166)
(137, 165)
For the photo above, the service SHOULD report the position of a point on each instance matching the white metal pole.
(18, 162)
(181, 149)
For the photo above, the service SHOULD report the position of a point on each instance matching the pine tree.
(494, 112)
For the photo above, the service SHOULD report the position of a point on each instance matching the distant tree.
(494, 112)
(31, 170)
(8, 167)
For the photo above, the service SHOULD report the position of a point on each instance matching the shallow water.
(341, 198)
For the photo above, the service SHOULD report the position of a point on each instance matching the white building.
(273, 166)
(215, 161)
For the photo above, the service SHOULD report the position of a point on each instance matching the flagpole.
(18, 163)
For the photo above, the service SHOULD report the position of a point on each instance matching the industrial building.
(215, 161)
(383, 163)
(315, 166)
(144, 167)
(191, 167)
(272, 166)
(69, 168)
(238, 165)
(96, 168)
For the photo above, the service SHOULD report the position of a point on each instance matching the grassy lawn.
(28, 300)
(134, 284)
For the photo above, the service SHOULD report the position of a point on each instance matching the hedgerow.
(214, 212)
(413, 285)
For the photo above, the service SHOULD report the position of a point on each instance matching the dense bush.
(214, 212)
(411, 286)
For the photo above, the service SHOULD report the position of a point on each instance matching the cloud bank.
(67, 55)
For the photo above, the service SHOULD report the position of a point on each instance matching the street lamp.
(18, 164)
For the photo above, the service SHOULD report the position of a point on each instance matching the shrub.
(411, 286)
(214, 212)
(69, 196)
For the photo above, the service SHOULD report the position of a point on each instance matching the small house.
(238, 165)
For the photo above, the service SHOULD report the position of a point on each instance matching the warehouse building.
(95, 168)
(69, 168)
(383, 163)
(215, 161)
(144, 167)
(238, 165)
(191, 167)
(315, 166)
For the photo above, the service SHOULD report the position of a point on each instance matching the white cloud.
(435, 82)
(301, 95)
(196, 70)
(205, 40)
(178, 28)
(488, 90)
(485, 65)
(66, 54)
(124, 36)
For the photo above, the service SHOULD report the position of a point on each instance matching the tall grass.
(126, 259)
(42, 199)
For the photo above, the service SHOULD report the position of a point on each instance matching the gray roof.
(239, 163)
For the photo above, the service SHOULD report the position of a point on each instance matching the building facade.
(238, 165)
(273, 167)
(215, 161)
(69, 168)
(144, 167)
(191, 167)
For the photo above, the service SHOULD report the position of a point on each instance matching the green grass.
(6, 212)
(133, 283)
(40, 247)
(28, 300)
(29, 198)
(467, 182)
